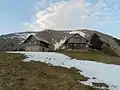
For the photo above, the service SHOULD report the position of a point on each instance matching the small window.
(29, 42)
(76, 37)
(35, 42)
(75, 45)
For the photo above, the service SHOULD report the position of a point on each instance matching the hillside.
(13, 40)
(97, 74)
(18, 75)
(19, 36)
(58, 37)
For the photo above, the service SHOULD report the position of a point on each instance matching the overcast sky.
(36, 15)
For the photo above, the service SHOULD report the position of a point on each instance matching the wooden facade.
(76, 41)
(33, 43)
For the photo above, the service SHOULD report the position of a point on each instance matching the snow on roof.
(78, 32)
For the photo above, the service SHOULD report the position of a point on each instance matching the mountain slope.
(55, 38)
(20, 36)
(12, 41)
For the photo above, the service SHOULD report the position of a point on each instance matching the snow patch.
(24, 35)
(57, 45)
(97, 72)
(79, 32)
(19, 36)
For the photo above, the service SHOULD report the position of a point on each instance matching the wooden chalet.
(34, 43)
(76, 41)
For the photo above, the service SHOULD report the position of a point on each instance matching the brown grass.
(18, 75)
(93, 56)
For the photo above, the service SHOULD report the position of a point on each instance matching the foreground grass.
(18, 75)
(93, 56)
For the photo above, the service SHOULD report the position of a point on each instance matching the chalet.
(34, 43)
(76, 41)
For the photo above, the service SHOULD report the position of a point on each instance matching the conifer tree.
(95, 42)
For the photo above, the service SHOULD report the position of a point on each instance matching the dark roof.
(37, 38)
(72, 35)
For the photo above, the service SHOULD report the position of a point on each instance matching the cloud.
(70, 14)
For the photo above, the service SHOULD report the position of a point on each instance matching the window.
(35, 42)
(76, 37)
(29, 42)
(75, 45)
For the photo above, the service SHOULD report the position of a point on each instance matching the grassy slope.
(18, 75)
(93, 56)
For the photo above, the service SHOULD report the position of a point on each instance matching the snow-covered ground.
(97, 72)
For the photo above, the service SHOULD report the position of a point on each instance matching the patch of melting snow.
(83, 34)
(24, 35)
(97, 72)
(59, 44)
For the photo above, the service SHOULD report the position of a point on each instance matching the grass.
(18, 75)
(93, 56)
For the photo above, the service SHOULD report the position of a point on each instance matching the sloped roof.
(72, 35)
(37, 38)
